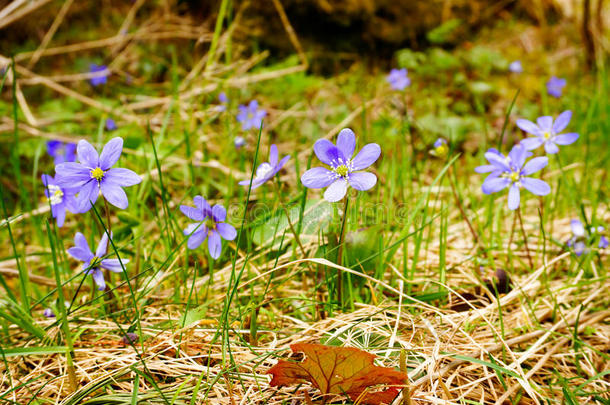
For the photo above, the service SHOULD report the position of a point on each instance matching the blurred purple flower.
(239, 142)
(547, 132)
(99, 78)
(267, 170)
(250, 116)
(129, 338)
(440, 148)
(110, 124)
(555, 86)
(398, 79)
(48, 312)
(61, 199)
(94, 263)
(209, 224)
(344, 169)
(581, 238)
(516, 67)
(61, 152)
(510, 172)
(223, 100)
(94, 173)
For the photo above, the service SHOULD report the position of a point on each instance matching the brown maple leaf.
(340, 370)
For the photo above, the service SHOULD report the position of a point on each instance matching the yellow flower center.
(514, 177)
(97, 173)
(441, 150)
(547, 135)
(342, 170)
(56, 195)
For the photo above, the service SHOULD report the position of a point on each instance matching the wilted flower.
(110, 124)
(94, 173)
(61, 152)
(398, 79)
(267, 170)
(129, 338)
(343, 169)
(511, 172)
(99, 78)
(223, 99)
(555, 86)
(547, 132)
(515, 67)
(250, 116)
(61, 199)
(440, 148)
(239, 142)
(209, 224)
(48, 312)
(94, 263)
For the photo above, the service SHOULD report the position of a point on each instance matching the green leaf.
(32, 351)
(487, 364)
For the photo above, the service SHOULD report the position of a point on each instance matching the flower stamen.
(97, 173)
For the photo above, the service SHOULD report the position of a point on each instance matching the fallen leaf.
(340, 370)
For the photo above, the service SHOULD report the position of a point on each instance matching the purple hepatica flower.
(555, 86)
(603, 241)
(95, 173)
(250, 116)
(511, 172)
(223, 99)
(209, 224)
(61, 152)
(579, 238)
(398, 79)
(99, 78)
(516, 67)
(48, 312)
(60, 198)
(239, 142)
(94, 263)
(547, 132)
(267, 170)
(440, 148)
(110, 124)
(344, 169)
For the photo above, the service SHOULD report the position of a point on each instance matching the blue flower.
(440, 148)
(61, 152)
(239, 142)
(579, 237)
(345, 169)
(110, 124)
(209, 224)
(61, 199)
(267, 170)
(510, 172)
(250, 116)
(555, 86)
(48, 312)
(94, 173)
(515, 67)
(547, 132)
(99, 78)
(94, 263)
(398, 79)
(223, 99)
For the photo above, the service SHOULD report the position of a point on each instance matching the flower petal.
(219, 213)
(517, 156)
(346, 143)
(214, 245)
(366, 157)
(362, 180)
(71, 174)
(192, 213)
(528, 126)
(577, 228)
(114, 194)
(317, 177)
(59, 213)
(513, 197)
(81, 242)
(227, 231)
(87, 154)
(562, 121)
(535, 186)
(550, 148)
(281, 164)
(273, 155)
(197, 238)
(566, 139)
(122, 177)
(336, 191)
(497, 159)
(80, 254)
(102, 247)
(537, 163)
(87, 196)
(113, 265)
(495, 184)
(485, 168)
(203, 205)
(326, 151)
(545, 123)
(532, 143)
(196, 227)
(111, 153)
(98, 277)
